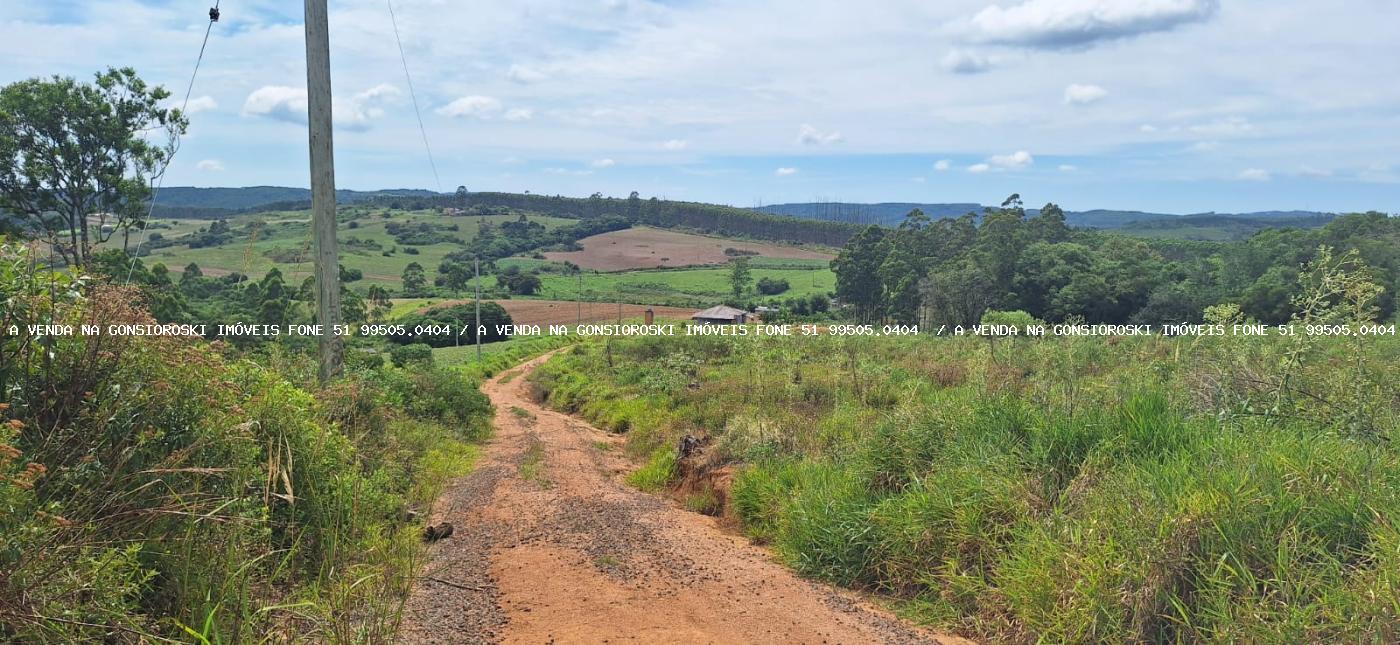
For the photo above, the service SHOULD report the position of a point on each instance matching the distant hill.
(237, 199)
(1220, 228)
(892, 213)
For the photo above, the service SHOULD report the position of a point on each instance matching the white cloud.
(284, 103)
(810, 136)
(519, 114)
(942, 165)
(785, 172)
(481, 107)
(1147, 128)
(1255, 174)
(1204, 146)
(1083, 23)
(978, 168)
(1315, 173)
(525, 74)
(1230, 126)
(961, 61)
(568, 171)
(1076, 94)
(675, 144)
(277, 102)
(210, 165)
(1014, 161)
(1068, 168)
(602, 163)
(201, 104)
(918, 180)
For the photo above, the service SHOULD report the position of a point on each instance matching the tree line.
(952, 271)
(711, 218)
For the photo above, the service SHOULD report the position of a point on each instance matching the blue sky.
(1166, 105)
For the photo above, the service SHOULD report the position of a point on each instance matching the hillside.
(891, 213)
(234, 199)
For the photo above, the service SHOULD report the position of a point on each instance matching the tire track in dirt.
(551, 547)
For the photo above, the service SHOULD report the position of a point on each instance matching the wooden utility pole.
(476, 269)
(318, 95)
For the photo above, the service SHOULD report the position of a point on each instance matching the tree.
(76, 158)
(414, 280)
(274, 304)
(857, 269)
(773, 286)
(739, 276)
(379, 303)
(454, 275)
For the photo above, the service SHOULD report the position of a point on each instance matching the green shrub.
(405, 355)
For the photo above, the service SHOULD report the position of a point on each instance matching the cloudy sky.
(1168, 105)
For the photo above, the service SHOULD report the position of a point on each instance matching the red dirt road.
(550, 547)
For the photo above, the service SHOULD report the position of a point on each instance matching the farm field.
(680, 287)
(547, 312)
(363, 240)
(646, 248)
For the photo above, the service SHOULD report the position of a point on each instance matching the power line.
(160, 177)
(412, 95)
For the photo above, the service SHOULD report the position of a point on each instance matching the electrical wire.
(412, 95)
(159, 179)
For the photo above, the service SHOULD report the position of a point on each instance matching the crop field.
(646, 248)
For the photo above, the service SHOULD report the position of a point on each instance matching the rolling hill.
(891, 213)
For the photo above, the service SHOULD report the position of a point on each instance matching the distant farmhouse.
(721, 315)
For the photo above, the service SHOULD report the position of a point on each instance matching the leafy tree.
(351, 275)
(352, 306)
(274, 303)
(739, 276)
(414, 280)
(773, 286)
(857, 269)
(379, 303)
(519, 282)
(454, 275)
(76, 158)
(957, 294)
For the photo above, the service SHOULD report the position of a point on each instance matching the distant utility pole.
(318, 91)
(578, 297)
(476, 269)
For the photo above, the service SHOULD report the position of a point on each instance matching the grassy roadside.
(1070, 489)
(157, 488)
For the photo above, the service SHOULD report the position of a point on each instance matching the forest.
(951, 271)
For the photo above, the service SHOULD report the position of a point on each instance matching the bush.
(406, 355)
(772, 287)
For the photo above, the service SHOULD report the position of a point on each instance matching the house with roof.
(721, 315)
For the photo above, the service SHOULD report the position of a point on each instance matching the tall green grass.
(1074, 490)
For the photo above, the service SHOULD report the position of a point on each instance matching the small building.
(721, 315)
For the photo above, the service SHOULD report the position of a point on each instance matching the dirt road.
(551, 547)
